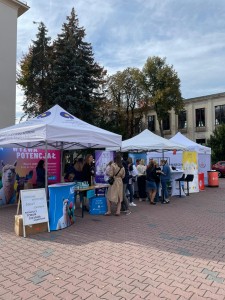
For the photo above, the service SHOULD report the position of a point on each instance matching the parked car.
(220, 168)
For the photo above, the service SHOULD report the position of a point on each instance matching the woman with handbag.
(115, 191)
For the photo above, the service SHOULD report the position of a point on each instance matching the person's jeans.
(131, 191)
(165, 194)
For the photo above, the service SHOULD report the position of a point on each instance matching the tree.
(217, 143)
(35, 76)
(77, 78)
(162, 88)
(126, 95)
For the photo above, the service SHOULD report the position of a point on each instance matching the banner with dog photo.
(18, 170)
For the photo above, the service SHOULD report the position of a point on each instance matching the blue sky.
(124, 33)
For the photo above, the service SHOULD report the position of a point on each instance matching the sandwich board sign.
(34, 207)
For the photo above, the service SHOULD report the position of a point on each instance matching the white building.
(10, 10)
(197, 121)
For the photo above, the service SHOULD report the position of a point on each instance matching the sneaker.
(128, 213)
(167, 200)
(124, 211)
(164, 202)
(132, 204)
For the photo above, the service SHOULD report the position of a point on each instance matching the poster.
(102, 158)
(61, 205)
(18, 168)
(190, 166)
(34, 206)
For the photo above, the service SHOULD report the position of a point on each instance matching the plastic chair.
(189, 178)
(181, 179)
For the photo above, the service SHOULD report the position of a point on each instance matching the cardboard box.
(30, 229)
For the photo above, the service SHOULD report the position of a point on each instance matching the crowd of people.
(126, 173)
(148, 179)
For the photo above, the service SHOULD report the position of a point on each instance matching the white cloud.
(190, 34)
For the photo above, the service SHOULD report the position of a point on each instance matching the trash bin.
(213, 179)
(201, 181)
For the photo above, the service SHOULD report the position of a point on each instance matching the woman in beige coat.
(115, 191)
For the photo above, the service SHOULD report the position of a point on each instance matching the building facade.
(197, 121)
(10, 10)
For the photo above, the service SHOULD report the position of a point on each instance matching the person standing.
(87, 176)
(132, 178)
(165, 179)
(40, 171)
(151, 181)
(115, 191)
(125, 203)
(141, 179)
(88, 169)
(157, 181)
(78, 169)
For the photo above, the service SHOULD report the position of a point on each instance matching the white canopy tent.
(148, 141)
(57, 129)
(189, 144)
(204, 153)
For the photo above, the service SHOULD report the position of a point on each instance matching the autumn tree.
(162, 88)
(126, 95)
(217, 143)
(34, 76)
(77, 78)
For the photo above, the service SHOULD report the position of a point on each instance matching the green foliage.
(126, 95)
(162, 88)
(217, 143)
(34, 76)
(77, 79)
(63, 73)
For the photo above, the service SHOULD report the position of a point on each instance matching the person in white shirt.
(141, 179)
(132, 178)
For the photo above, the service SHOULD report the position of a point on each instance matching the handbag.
(112, 179)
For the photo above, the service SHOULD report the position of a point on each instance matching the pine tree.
(35, 76)
(77, 78)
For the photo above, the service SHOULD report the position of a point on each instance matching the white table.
(175, 174)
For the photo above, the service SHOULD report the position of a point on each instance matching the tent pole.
(46, 169)
(61, 161)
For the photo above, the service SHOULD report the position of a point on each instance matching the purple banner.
(102, 158)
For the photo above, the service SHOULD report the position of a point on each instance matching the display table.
(61, 205)
(175, 174)
(90, 192)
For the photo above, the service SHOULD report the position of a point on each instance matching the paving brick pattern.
(174, 251)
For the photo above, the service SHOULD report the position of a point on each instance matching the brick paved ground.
(173, 251)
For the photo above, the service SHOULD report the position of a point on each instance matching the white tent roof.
(57, 129)
(148, 141)
(191, 146)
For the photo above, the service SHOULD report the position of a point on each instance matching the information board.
(34, 206)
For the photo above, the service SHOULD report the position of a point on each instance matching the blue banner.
(61, 205)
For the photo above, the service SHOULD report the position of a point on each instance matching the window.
(182, 120)
(166, 122)
(201, 141)
(151, 123)
(219, 114)
(200, 117)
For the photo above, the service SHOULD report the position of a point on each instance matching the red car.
(220, 168)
